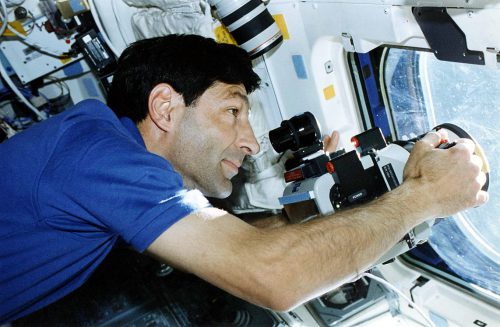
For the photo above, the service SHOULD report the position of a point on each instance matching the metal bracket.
(347, 42)
(410, 239)
(446, 39)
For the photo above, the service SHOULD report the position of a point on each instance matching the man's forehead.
(230, 91)
(242, 96)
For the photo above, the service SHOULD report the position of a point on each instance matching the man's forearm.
(313, 257)
(268, 222)
(282, 267)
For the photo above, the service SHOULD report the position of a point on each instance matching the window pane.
(402, 78)
(424, 92)
(469, 96)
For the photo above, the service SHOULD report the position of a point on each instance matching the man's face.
(212, 139)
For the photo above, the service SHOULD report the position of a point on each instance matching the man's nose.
(247, 141)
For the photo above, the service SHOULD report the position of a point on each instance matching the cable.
(6, 76)
(393, 288)
(60, 100)
(14, 88)
(11, 3)
(33, 23)
(4, 17)
(34, 44)
(62, 79)
(95, 15)
(62, 85)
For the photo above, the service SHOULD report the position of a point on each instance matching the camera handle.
(454, 132)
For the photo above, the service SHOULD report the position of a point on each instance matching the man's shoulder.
(87, 120)
(81, 119)
(90, 109)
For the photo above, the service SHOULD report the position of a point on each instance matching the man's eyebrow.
(243, 97)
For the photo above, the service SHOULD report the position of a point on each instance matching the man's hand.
(331, 142)
(451, 178)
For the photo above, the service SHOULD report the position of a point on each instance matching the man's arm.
(268, 222)
(282, 267)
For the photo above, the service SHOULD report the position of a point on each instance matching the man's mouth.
(230, 168)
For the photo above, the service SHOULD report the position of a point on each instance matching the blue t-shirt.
(70, 188)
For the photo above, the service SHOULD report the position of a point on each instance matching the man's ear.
(161, 103)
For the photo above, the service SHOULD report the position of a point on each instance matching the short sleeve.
(100, 181)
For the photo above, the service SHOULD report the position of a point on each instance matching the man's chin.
(221, 192)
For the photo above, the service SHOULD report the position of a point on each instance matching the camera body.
(351, 178)
(320, 183)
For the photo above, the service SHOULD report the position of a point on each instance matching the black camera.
(355, 177)
(320, 183)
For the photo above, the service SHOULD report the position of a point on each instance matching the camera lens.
(250, 23)
(297, 132)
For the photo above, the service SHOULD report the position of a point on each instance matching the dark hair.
(189, 63)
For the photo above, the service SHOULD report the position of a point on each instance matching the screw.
(328, 67)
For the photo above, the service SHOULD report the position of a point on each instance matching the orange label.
(17, 26)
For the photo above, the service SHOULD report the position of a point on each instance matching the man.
(77, 184)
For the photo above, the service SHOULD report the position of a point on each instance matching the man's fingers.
(469, 144)
(481, 179)
(482, 198)
(433, 139)
(477, 161)
(331, 142)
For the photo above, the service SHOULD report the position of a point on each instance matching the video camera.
(320, 183)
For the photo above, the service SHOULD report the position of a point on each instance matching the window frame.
(366, 113)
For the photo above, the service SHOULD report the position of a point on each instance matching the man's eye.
(234, 111)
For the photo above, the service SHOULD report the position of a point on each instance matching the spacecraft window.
(422, 92)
